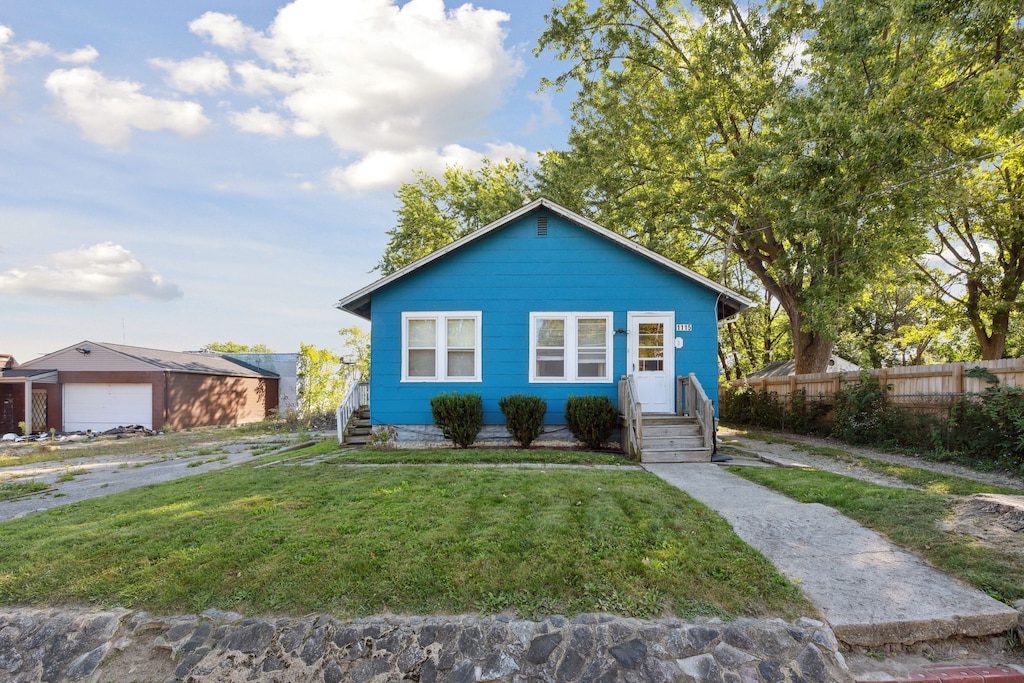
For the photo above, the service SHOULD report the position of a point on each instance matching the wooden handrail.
(632, 417)
(357, 394)
(693, 401)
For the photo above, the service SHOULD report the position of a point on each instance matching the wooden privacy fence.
(912, 386)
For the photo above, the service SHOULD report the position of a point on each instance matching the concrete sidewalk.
(869, 590)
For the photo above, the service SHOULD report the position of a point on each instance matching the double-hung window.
(571, 347)
(441, 347)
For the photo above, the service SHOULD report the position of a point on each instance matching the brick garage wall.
(217, 400)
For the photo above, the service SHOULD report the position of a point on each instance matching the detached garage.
(94, 386)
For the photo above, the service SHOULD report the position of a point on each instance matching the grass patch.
(200, 463)
(464, 456)
(913, 476)
(15, 489)
(409, 540)
(69, 475)
(909, 518)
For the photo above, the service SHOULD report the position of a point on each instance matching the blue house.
(548, 303)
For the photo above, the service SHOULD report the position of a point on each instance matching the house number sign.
(684, 327)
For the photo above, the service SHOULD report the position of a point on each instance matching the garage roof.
(88, 355)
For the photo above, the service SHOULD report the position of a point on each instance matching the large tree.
(978, 261)
(715, 122)
(956, 69)
(434, 212)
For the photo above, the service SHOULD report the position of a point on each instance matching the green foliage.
(233, 347)
(10, 490)
(804, 416)
(702, 135)
(524, 417)
(321, 383)
(460, 416)
(745, 406)
(382, 438)
(591, 419)
(437, 211)
(357, 343)
(861, 412)
(897, 320)
(858, 414)
(987, 430)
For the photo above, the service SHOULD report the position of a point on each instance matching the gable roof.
(152, 359)
(729, 301)
(7, 361)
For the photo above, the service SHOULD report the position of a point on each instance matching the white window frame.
(571, 320)
(441, 319)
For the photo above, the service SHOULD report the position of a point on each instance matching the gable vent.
(542, 226)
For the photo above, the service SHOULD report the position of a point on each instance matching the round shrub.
(591, 419)
(460, 417)
(524, 417)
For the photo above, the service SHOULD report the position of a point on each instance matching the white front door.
(651, 359)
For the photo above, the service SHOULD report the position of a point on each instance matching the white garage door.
(100, 407)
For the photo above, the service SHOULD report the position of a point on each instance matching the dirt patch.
(996, 521)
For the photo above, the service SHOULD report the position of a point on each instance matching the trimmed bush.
(460, 417)
(987, 429)
(524, 417)
(754, 408)
(591, 419)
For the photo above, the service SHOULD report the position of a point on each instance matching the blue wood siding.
(507, 275)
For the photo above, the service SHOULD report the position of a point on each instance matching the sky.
(180, 173)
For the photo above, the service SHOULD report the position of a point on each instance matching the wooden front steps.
(359, 428)
(672, 438)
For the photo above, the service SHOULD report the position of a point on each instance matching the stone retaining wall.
(120, 645)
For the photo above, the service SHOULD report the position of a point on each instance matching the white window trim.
(441, 345)
(571, 347)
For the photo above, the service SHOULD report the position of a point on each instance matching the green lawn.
(407, 539)
(459, 456)
(908, 517)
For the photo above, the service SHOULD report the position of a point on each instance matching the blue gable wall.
(507, 275)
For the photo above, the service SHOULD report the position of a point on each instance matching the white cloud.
(382, 169)
(21, 51)
(390, 84)
(224, 30)
(199, 74)
(102, 271)
(107, 111)
(257, 121)
(5, 37)
(85, 55)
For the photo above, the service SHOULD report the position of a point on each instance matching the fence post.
(958, 378)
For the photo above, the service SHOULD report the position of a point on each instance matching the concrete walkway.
(869, 590)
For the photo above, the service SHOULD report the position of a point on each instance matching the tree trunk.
(993, 344)
(811, 351)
